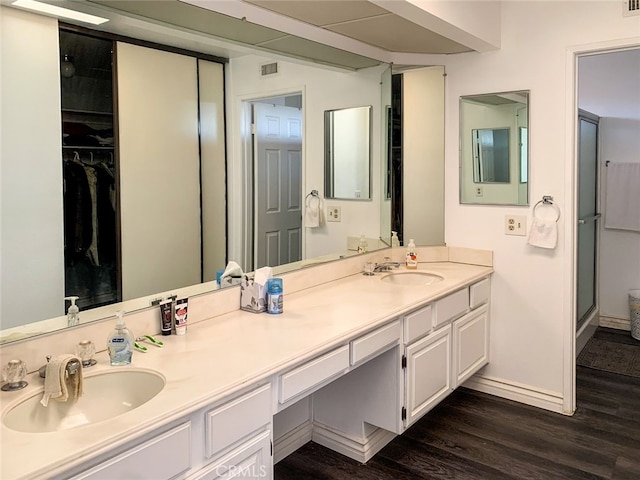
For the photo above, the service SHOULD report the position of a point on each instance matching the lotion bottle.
(120, 343)
(411, 261)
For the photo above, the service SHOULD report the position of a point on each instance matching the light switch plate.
(515, 225)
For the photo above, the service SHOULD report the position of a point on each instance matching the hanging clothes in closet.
(90, 231)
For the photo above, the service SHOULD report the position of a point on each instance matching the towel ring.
(549, 202)
(313, 193)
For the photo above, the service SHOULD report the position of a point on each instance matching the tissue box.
(253, 297)
(230, 281)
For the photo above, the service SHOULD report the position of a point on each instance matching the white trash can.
(634, 313)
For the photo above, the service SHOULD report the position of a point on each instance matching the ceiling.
(366, 22)
(344, 21)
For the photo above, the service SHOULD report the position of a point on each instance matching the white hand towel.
(543, 233)
(622, 208)
(312, 212)
(60, 386)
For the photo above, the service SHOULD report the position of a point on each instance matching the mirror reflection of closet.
(90, 189)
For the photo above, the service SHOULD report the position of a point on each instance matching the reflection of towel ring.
(548, 201)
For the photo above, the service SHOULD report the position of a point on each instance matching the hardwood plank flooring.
(472, 435)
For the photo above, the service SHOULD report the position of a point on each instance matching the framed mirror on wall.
(347, 147)
(494, 148)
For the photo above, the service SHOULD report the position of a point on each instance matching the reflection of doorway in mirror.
(278, 186)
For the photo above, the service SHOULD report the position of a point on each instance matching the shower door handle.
(592, 218)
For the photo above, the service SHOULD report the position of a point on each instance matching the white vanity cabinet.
(427, 365)
(230, 439)
(445, 343)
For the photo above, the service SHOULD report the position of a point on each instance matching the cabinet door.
(428, 373)
(251, 460)
(470, 344)
(162, 457)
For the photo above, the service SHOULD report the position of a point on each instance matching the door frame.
(249, 169)
(571, 239)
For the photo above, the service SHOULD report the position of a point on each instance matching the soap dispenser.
(363, 246)
(395, 241)
(412, 256)
(72, 313)
(120, 343)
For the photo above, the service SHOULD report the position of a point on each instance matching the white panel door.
(159, 166)
(278, 205)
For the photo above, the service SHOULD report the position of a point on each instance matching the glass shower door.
(588, 216)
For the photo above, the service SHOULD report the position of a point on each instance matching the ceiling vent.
(267, 69)
(630, 7)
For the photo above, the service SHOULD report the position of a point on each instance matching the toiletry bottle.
(120, 343)
(412, 257)
(274, 295)
(395, 242)
(363, 247)
(72, 313)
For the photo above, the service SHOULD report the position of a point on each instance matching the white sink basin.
(412, 278)
(106, 395)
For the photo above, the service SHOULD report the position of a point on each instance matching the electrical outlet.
(515, 225)
(334, 214)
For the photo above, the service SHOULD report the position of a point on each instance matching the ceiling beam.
(474, 24)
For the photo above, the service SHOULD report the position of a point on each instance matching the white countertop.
(226, 354)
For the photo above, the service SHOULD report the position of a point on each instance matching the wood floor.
(472, 435)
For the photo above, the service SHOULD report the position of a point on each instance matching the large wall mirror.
(347, 150)
(494, 153)
(368, 85)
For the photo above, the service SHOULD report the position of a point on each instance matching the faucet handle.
(13, 373)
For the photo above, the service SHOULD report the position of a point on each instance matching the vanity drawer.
(450, 307)
(417, 324)
(375, 342)
(162, 457)
(479, 293)
(315, 372)
(237, 419)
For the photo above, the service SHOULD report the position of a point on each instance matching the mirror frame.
(520, 191)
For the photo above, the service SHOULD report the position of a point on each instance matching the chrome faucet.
(385, 266)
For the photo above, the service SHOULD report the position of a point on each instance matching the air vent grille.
(272, 68)
(631, 7)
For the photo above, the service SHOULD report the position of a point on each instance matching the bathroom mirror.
(490, 155)
(494, 153)
(315, 136)
(347, 153)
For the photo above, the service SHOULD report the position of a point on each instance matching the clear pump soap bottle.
(120, 343)
(73, 317)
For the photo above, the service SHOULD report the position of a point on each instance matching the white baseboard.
(291, 441)
(358, 449)
(526, 394)
(614, 322)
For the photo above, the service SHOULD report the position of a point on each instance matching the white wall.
(532, 331)
(619, 261)
(31, 150)
(322, 89)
